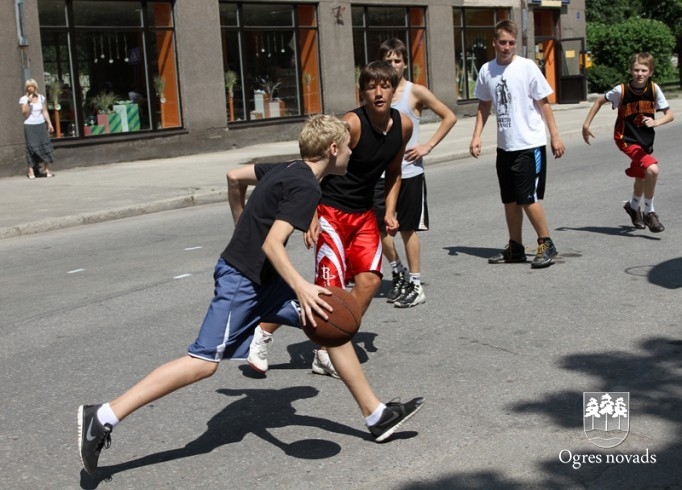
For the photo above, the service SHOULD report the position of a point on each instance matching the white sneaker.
(258, 350)
(323, 365)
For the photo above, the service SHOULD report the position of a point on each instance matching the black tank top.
(634, 105)
(354, 192)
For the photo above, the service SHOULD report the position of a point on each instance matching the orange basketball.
(343, 322)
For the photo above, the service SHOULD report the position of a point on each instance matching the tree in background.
(612, 47)
(611, 11)
(614, 13)
(670, 13)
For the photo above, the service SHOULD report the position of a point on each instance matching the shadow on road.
(622, 230)
(482, 252)
(254, 413)
(667, 274)
(652, 374)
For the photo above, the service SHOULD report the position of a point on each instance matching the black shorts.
(521, 175)
(412, 210)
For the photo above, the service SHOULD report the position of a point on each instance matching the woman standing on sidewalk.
(38, 144)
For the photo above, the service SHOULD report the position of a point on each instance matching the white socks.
(648, 204)
(375, 416)
(106, 415)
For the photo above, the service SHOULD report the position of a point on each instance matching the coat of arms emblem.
(606, 417)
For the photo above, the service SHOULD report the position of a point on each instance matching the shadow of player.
(255, 413)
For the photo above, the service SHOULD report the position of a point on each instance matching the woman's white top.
(36, 115)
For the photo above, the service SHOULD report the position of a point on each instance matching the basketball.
(343, 322)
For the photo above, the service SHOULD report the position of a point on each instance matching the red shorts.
(349, 243)
(641, 160)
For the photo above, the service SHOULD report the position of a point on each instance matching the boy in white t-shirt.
(519, 91)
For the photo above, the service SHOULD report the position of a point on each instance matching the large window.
(271, 60)
(474, 31)
(110, 66)
(374, 25)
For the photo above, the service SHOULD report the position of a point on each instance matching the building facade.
(135, 79)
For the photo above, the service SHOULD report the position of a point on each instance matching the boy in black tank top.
(345, 231)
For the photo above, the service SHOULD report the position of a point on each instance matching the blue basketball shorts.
(238, 306)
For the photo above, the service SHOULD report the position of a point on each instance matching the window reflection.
(374, 25)
(474, 31)
(114, 71)
(271, 60)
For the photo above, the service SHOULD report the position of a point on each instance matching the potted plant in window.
(272, 107)
(159, 87)
(102, 103)
(230, 81)
(57, 88)
(307, 82)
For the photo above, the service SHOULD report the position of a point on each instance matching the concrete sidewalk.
(93, 194)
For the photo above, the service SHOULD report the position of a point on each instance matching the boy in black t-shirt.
(256, 281)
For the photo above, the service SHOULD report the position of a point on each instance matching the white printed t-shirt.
(513, 89)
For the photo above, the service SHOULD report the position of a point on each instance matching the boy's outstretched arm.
(238, 180)
(587, 134)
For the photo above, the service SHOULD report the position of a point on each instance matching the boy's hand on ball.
(311, 302)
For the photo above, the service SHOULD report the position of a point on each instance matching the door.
(572, 87)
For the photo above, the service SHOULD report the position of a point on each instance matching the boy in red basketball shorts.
(637, 103)
(344, 231)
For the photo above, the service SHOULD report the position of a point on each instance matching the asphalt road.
(502, 354)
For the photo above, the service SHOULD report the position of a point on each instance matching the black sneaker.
(414, 295)
(395, 414)
(545, 254)
(513, 253)
(635, 216)
(92, 436)
(651, 220)
(398, 288)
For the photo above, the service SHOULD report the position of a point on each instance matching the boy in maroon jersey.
(637, 103)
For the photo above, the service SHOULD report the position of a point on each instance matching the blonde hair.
(319, 133)
(645, 58)
(31, 83)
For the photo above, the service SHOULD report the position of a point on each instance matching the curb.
(52, 224)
